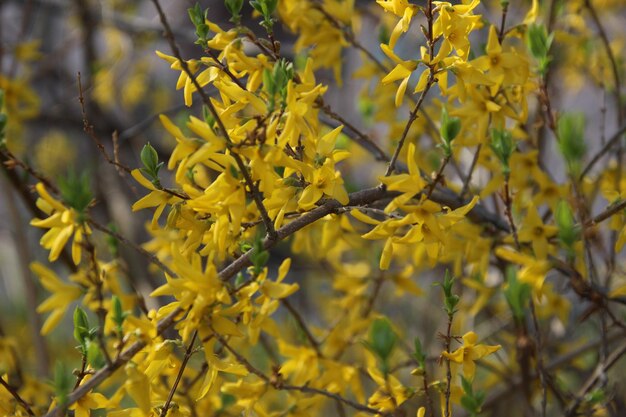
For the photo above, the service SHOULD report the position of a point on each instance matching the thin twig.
(409, 123)
(614, 140)
(17, 397)
(594, 378)
(183, 365)
(307, 332)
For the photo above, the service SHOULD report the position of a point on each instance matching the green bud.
(62, 383)
(149, 157)
(151, 165)
(240, 279)
(81, 326)
(471, 401)
(196, 15)
(568, 233)
(265, 8)
(76, 191)
(198, 18)
(94, 355)
(419, 354)
(539, 43)
(571, 130)
(1, 99)
(234, 7)
(450, 128)
(119, 315)
(382, 340)
(503, 147)
(517, 294)
(450, 300)
(208, 116)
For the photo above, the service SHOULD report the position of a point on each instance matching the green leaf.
(568, 233)
(119, 315)
(76, 191)
(81, 326)
(149, 157)
(94, 355)
(234, 7)
(571, 131)
(517, 294)
(503, 147)
(382, 339)
(419, 354)
(62, 383)
(450, 128)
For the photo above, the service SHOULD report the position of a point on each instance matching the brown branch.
(17, 397)
(152, 258)
(183, 365)
(615, 140)
(307, 332)
(359, 137)
(468, 178)
(595, 377)
(412, 118)
(349, 36)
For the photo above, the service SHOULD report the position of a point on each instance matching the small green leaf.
(149, 157)
(503, 147)
(76, 191)
(234, 8)
(517, 294)
(382, 340)
(62, 383)
(568, 233)
(81, 326)
(94, 355)
(571, 130)
(119, 315)
(450, 128)
(419, 354)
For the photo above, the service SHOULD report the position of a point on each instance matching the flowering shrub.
(284, 279)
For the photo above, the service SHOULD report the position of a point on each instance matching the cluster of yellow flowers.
(263, 163)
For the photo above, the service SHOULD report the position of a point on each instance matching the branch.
(17, 397)
(595, 377)
(607, 146)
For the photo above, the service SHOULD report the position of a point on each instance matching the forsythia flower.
(62, 296)
(400, 8)
(470, 352)
(63, 223)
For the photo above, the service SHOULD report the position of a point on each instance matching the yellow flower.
(62, 296)
(534, 231)
(156, 197)
(408, 184)
(63, 223)
(402, 71)
(454, 24)
(502, 66)
(470, 352)
(533, 270)
(400, 8)
(88, 402)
